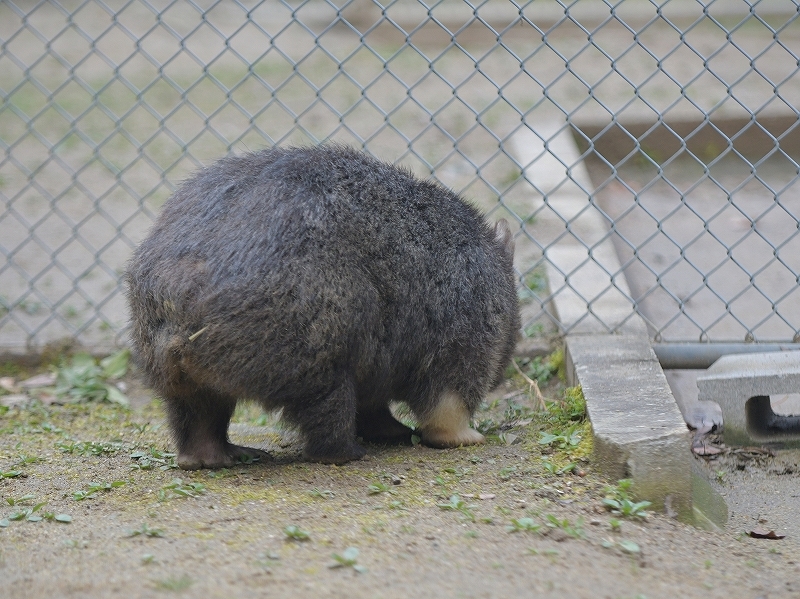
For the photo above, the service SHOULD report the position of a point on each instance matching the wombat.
(326, 283)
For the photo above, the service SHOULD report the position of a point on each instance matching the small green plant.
(572, 406)
(507, 472)
(175, 585)
(84, 379)
(535, 329)
(10, 474)
(524, 525)
(221, 473)
(575, 531)
(33, 513)
(535, 281)
(615, 524)
(566, 439)
(324, 494)
(145, 531)
(295, 533)
(516, 412)
(551, 468)
(63, 518)
(458, 472)
(27, 459)
(459, 505)
(618, 500)
(30, 307)
(347, 559)
(379, 487)
(625, 545)
(89, 447)
(153, 458)
(487, 426)
(177, 489)
(93, 488)
(24, 499)
(540, 369)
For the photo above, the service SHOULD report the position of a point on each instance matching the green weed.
(89, 447)
(177, 489)
(459, 505)
(565, 439)
(175, 585)
(146, 531)
(153, 458)
(84, 379)
(347, 559)
(618, 500)
(524, 525)
(93, 488)
(575, 531)
(295, 533)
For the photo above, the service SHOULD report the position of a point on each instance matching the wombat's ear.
(502, 233)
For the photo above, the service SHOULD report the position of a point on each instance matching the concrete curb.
(639, 432)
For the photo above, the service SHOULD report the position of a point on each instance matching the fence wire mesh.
(649, 144)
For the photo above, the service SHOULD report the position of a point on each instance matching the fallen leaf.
(19, 399)
(47, 398)
(40, 380)
(761, 533)
(703, 448)
(7, 383)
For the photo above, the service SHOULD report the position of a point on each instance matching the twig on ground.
(534, 387)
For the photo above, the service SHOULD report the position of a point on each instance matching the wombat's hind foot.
(329, 427)
(215, 457)
(199, 420)
(448, 424)
(380, 426)
(328, 454)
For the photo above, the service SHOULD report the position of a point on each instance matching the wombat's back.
(276, 274)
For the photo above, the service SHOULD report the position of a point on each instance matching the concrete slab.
(638, 430)
(742, 385)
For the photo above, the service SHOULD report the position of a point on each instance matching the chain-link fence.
(672, 124)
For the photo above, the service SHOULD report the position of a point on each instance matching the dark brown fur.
(326, 283)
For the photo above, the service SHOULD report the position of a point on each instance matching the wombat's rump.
(326, 283)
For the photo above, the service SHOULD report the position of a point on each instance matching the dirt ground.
(490, 521)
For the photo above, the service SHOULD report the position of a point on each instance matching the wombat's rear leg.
(447, 425)
(329, 427)
(379, 426)
(199, 423)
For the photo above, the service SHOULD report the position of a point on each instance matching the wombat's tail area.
(163, 363)
(157, 345)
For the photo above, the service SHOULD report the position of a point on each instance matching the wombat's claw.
(247, 455)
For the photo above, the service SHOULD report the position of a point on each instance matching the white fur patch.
(448, 424)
